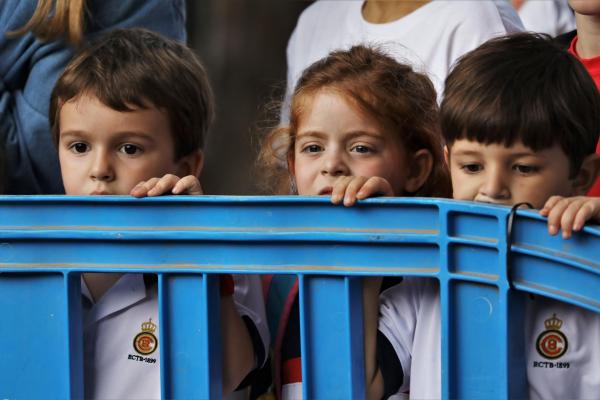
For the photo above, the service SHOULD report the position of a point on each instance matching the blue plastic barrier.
(46, 242)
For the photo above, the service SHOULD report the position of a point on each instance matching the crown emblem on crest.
(553, 323)
(148, 326)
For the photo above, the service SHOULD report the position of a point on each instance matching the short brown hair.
(523, 87)
(402, 100)
(129, 68)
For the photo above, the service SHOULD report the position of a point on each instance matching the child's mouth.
(326, 191)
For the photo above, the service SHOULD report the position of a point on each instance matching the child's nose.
(495, 186)
(334, 164)
(102, 168)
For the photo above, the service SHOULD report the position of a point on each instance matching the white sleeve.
(399, 311)
(249, 302)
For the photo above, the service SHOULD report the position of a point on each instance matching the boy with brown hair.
(521, 119)
(130, 107)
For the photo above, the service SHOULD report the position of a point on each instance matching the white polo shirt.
(121, 331)
(562, 343)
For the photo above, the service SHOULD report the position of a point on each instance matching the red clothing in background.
(593, 67)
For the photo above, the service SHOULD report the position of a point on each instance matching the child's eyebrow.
(375, 134)
(74, 134)
(117, 136)
(134, 134)
(511, 155)
(526, 154)
(349, 135)
(466, 153)
(316, 134)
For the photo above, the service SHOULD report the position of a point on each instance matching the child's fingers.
(339, 189)
(590, 209)
(550, 204)
(163, 185)
(584, 214)
(555, 213)
(188, 185)
(567, 220)
(138, 190)
(142, 188)
(375, 186)
(352, 189)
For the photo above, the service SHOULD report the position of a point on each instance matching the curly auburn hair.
(402, 100)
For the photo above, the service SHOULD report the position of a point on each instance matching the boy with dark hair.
(521, 119)
(128, 108)
(524, 96)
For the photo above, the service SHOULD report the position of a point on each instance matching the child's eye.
(79, 148)
(525, 169)
(130, 149)
(472, 168)
(312, 148)
(361, 149)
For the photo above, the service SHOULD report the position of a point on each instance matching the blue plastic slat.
(271, 214)
(34, 345)
(228, 254)
(332, 339)
(189, 331)
(567, 270)
(477, 327)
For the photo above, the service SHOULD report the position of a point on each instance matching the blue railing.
(47, 242)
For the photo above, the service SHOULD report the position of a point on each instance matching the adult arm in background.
(29, 68)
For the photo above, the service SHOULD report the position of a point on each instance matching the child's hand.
(168, 184)
(351, 188)
(570, 213)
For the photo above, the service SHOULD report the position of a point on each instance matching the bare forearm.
(373, 378)
(238, 352)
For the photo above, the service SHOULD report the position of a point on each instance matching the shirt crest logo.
(145, 342)
(552, 343)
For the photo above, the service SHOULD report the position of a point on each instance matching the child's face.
(334, 139)
(103, 151)
(498, 174)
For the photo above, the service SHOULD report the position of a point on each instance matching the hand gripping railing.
(46, 242)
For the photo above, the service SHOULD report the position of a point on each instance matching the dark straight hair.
(522, 87)
(136, 68)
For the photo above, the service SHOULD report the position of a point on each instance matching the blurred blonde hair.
(53, 19)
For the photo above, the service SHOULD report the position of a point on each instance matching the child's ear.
(446, 154)
(589, 171)
(422, 164)
(191, 164)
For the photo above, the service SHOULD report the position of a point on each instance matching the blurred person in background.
(553, 17)
(428, 34)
